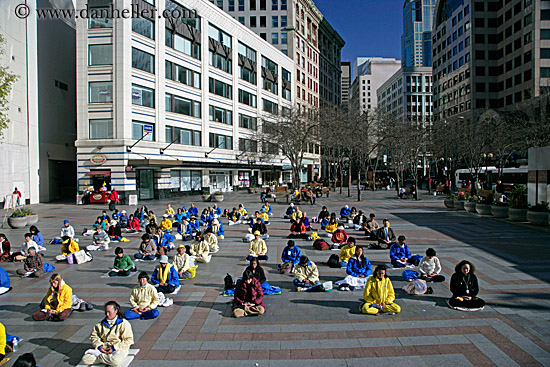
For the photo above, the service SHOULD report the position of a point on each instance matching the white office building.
(169, 106)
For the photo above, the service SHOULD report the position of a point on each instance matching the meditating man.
(165, 277)
(147, 249)
(182, 263)
(260, 227)
(248, 300)
(290, 256)
(345, 212)
(371, 227)
(379, 294)
(144, 300)
(34, 266)
(306, 275)
(212, 241)
(400, 255)
(100, 240)
(111, 338)
(257, 248)
(385, 236)
(165, 224)
(67, 229)
(123, 265)
(200, 249)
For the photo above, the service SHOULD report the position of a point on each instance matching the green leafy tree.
(6, 83)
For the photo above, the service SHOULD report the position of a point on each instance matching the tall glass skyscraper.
(416, 41)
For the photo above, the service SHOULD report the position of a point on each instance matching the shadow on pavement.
(74, 351)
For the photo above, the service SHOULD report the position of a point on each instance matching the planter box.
(483, 209)
(217, 198)
(459, 204)
(538, 218)
(205, 197)
(449, 203)
(17, 222)
(32, 219)
(518, 215)
(470, 206)
(500, 211)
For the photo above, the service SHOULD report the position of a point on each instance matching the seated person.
(124, 219)
(152, 227)
(165, 277)
(144, 300)
(331, 226)
(243, 212)
(253, 220)
(347, 251)
(385, 236)
(133, 223)
(200, 249)
(34, 266)
(164, 241)
(151, 216)
(379, 294)
(248, 299)
(116, 216)
(352, 214)
(169, 211)
(5, 248)
(2, 342)
(297, 213)
(257, 248)
(122, 265)
(297, 229)
(58, 303)
(179, 217)
(464, 287)
(265, 217)
(371, 228)
(114, 232)
(147, 248)
(359, 221)
(400, 255)
(68, 247)
(217, 228)
(105, 217)
(205, 218)
(216, 210)
(186, 230)
(257, 271)
(194, 224)
(345, 212)
(100, 240)
(67, 229)
(21, 255)
(260, 227)
(306, 222)
(359, 269)
(37, 236)
(291, 255)
(306, 275)
(165, 224)
(289, 211)
(193, 210)
(212, 241)
(266, 208)
(234, 217)
(429, 267)
(323, 214)
(100, 222)
(339, 237)
(181, 263)
(5, 282)
(111, 338)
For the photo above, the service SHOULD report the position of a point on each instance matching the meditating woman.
(465, 288)
(430, 267)
(249, 296)
(359, 269)
(379, 294)
(58, 302)
(123, 264)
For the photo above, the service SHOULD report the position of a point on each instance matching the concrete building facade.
(330, 68)
(346, 83)
(170, 106)
(416, 41)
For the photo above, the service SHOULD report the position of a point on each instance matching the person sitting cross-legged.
(182, 262)
(306, 275)
(111, 338)
(257, 248)
(430, 267)
(165, 277)
(465, 288)
(385, 236)
(100, 239)
(165, 223)
(261, 227)
(248, 300)
(34, 266)
(58, 303)
(347, 251)
(400, 254)
(371, 227)
(212, 241)
(144, 300)
(359, 221)
(290, 256)
(147, 249)
(339, 237)
(114, 231)
(68, 248)
(123, 264)
(345, 212)
(297, 229)
(359, 269)
(234, 217)
(200, 249)
(379, 294)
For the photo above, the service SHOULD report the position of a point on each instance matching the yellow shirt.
(378, 291)
(346, 252)
(169, 211)
(297, 214)
(242, 211)
(264, 216)
(165, 224)
(331, 227)
(257, 247)
(64, 298)
(2, 339)
(120, 336)
(144, 297)
(70, 247)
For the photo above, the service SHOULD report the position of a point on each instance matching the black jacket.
(460, 283)
(381, 234)
(259, 227)
(323, 214)
(358, 218)
(258, 273)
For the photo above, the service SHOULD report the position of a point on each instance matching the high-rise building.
(416, 41)
(369, 74)
(346, 83)
(170, 106)
(330, 69)
(489, 54)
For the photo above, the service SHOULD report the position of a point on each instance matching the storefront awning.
(164, 163)
(98, 173)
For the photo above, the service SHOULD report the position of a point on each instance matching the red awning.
(98, 173)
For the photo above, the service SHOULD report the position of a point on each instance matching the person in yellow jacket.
(379, 294)
(258, 248)
(2, 341)
(144, 300)
(212, 241)
(306, 275)
(111, 338)
(243, 212)
(165, 223)
(297, 213)
(170, 211)
(58, 303)
(68, 247)
(346, 252)
(331, 226)
(200, 249)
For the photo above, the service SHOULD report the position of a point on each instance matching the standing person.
(249, 296)
(379, 294)
(465, 288)
(58, 303)
(5, 248)
(400, 255)
(144, 300)
(429, 267)
(37, 236)
(67, 230)
(113, 199)
(34, 266)
(165, 277)
(123, 264)
(306, 275)
(111, 338)
(17, 194)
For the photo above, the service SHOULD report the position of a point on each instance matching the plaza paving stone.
(313, 328)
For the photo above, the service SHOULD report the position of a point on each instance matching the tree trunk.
(374, 174)
(349, 178)
(359, 183)
(429, 177)
(341, 166)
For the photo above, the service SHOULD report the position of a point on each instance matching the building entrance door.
(145, 184)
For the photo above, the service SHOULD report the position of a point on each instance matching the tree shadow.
(125, 285)
(73, 351)
(352, 306)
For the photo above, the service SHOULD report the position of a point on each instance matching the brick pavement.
(319, 327)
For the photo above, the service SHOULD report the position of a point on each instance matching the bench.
(464, 191)
(484, 193)
(280, 192)
(440, 189)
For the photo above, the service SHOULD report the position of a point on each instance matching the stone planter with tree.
(484, 208)
(471, 204)
(518, 204)
(217, 197)
(459, 202)
(500, 210)
(17, 219)
(450, 201)
(538, 214)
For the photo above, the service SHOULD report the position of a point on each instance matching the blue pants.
(260, 257)
(146, 257)
(264, 236)
(311, 287)
(343, 264)
(147, 315)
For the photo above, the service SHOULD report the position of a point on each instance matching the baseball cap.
(66, 221)
(164, 259)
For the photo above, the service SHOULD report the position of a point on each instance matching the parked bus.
(510, 177)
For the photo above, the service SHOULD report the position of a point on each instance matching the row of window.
(252, 4)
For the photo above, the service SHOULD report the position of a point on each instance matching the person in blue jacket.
(195, 225)
(256, 217)
(400, 255)
(359, 269)
(344, 212)
(164, 240)
(216, 210)
(266, 208)
(36, 236)
(178, 218)
(217, 228)
(291, 253)
(186, 230)
(193, 210)
(205, 218)
(165, 277)
(5, 284)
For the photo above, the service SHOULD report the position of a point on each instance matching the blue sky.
(369, 27)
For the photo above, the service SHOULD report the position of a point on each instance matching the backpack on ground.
(415, 287)
(228, 282)
(333, 261)
(285, 268)
(320, 244)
